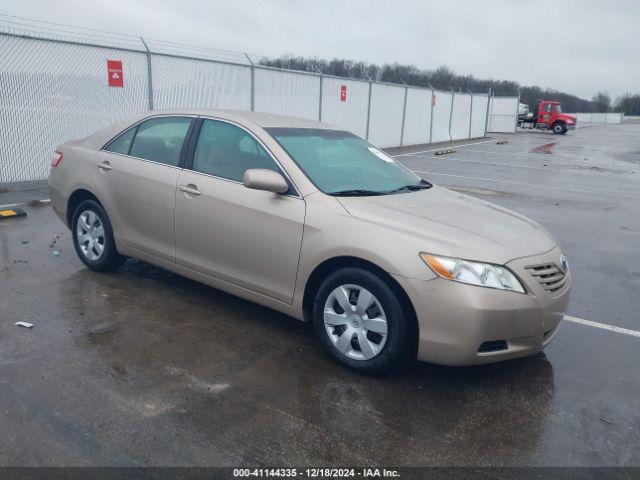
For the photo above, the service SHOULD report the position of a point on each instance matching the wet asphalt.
(143, 367)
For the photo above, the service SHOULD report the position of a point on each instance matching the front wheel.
(559, 128)
(362, 322)
(93, 237)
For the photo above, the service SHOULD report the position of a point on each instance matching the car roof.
(249, 120)
(261, 119)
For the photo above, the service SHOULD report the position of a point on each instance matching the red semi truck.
(548, 116)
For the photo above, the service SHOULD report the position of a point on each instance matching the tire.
(345, 333)
(93, 237)
(559, 127)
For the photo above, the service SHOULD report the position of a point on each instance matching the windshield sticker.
(380, 154)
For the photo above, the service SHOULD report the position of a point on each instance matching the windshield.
(340, 163)
(557, 108)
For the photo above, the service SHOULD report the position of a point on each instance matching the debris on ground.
(502, 142)
(444, 151)
(24, 324)
(606, 420)
(12, 213)
(39, 202)
(56, 253)
(100, 328)
(54, 240)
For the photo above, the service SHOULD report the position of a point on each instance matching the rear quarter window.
(122, 143)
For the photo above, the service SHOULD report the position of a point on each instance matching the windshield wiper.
(356, 193)
(359, 192)
(412, 188)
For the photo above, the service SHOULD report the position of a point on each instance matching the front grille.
(549, 276)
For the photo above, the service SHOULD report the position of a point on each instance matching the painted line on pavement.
(504, 164)
(603, 326)
(573, 190)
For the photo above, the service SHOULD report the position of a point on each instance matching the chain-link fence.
(59, 83)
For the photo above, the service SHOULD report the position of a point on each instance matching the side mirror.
(267, 180)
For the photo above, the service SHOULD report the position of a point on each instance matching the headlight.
(473, 273)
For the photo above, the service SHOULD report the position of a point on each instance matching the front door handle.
(191, 189)
(105, 166)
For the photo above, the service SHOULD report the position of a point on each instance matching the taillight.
(56, 159)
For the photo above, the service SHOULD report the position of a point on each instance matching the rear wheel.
(93, 237)
(361, 321)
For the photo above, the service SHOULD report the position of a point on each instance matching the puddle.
(546, 148)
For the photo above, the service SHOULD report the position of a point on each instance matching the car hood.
(453, 224)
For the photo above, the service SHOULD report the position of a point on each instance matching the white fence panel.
(441, 116)
(417, 117)
(287, 93)
(479, 115)
(616, 117)
(503, 114)
(187, 83)
(55, 92)
(385, 122)
(346, 110)
(460, 116)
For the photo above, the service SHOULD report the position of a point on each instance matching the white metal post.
(320, 101)
(486, 120)
(433, 98)
(453, 96)
(368, 110)
(404, 114)
(470, 112)
(517, 111)
(149, 74)
(253, 82)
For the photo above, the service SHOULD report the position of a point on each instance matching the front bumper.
(455, 319)
(571, 127)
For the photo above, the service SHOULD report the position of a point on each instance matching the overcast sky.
(577, 46)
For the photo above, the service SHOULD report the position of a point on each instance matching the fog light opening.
(493, 346)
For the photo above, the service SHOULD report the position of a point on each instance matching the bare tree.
(602, 102)
(443, 78)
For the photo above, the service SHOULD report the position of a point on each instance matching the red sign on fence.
(114, 72)
(343, 93)
(433, 99)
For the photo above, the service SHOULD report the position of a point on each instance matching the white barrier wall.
(503, 114)
(417, 117)
(184, 82)
(53, 91)
(479, 115)
(287, 93)
(385, 118)
(345, 104)
(441, 116)
(460, 116)
(598, 117)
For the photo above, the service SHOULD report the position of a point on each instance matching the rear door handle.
(105, 166)
(191, 189)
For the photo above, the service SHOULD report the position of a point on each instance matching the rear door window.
(161, 139)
